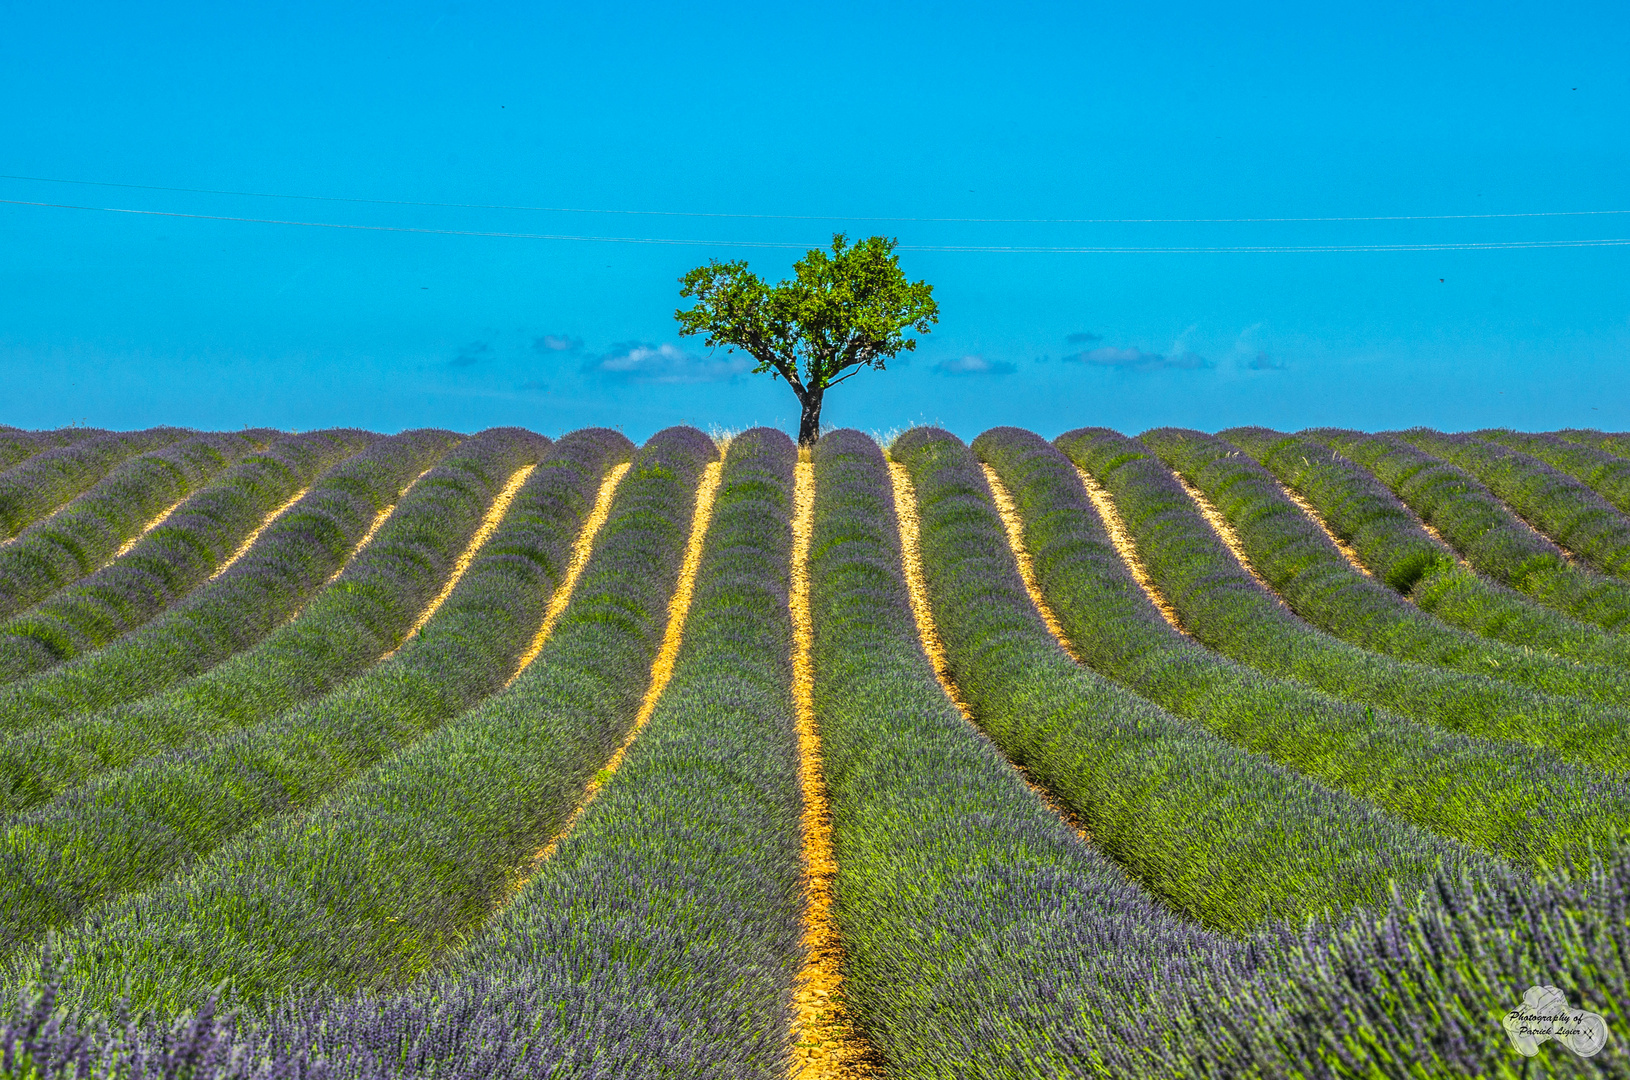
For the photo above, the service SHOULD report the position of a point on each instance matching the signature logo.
(1545, 1014)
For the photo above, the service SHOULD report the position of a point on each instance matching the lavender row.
(1615, 443)
(1481, 528)
(290, 561)
(1181, 809)
(17, 445)
(662, 937)
(86, 534)
(1558, 506)
(1224, 607)
(1033, 972)
(1519, 802)
(1037, 966)
(365, 613)
(408, 860)
(173, 558)
(1391, 543)
(1306, 570)
(982, 936)
(47, 480)
(1605, 473)
(140, 826)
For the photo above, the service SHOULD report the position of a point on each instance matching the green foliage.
(1179, 808)
(1394, 546)
(1493, 540)
(1225, 608)
(406, 860)
(1305, 569)
(841, 313)
(1519, 802)
(345, 628)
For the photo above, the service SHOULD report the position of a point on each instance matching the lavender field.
(1249, 754)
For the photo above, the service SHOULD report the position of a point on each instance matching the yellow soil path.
(379, 519)
(581, 550)
(41, 520)
(1317, 518)
(1434, 534)
(249, 541)
(149, 527)
(662, 668)
(1568, 555)
(1121, 540)
(826, 1043)
(1225, 532)
(489, 525)
(1346, 549)
(1014, 527)
(905, 512)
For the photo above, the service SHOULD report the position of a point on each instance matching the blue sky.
(790, 122)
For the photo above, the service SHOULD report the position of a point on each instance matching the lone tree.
(843, 312)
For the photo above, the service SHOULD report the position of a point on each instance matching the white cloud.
(1250, 353)
(549, 343)
(1133, 359)
(974, 365)
(641, 362)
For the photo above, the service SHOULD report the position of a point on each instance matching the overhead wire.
(819, 217)
(1069, 249)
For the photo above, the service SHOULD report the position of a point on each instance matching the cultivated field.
(1257, 754)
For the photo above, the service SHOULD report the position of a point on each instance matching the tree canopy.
(840, 313)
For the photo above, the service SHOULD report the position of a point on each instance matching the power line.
(1495, 245)
(820, 217)
(408, 228)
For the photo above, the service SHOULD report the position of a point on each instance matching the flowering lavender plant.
(1181, 809)
(364, 613)
(138, 827)
(45, 481)
(289, 562)
(17, 445)
(1392, 543)
(1520, 802)
(1478, 525)
(84, 535)
(1227, 609)
(1561, 508)
(1306, 570)
(173, 558)
(404, 862)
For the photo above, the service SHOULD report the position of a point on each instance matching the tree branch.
(765, 355)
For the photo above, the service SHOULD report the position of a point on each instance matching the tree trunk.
(809, 426)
